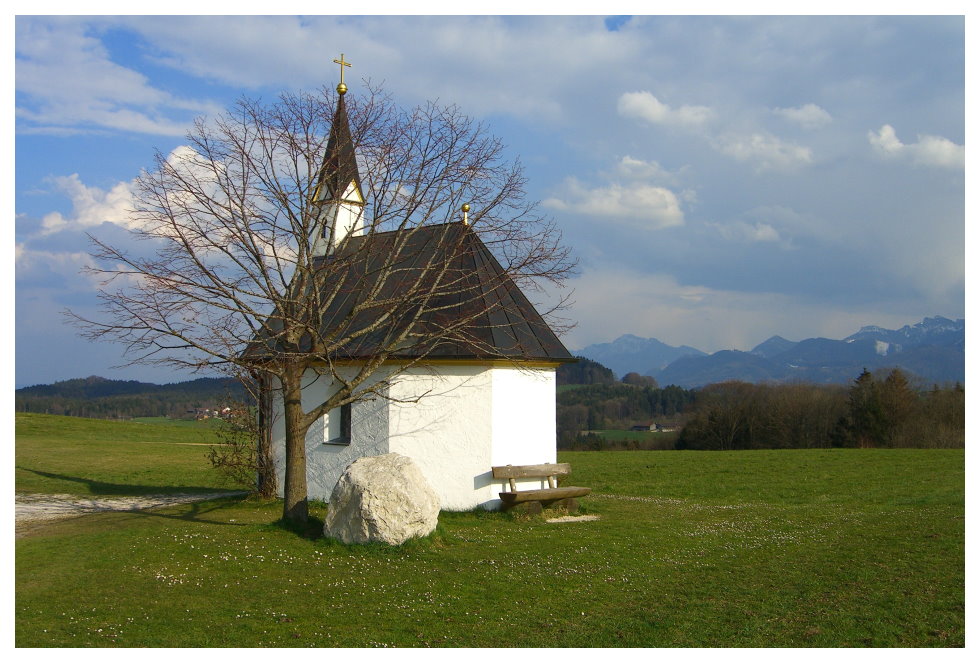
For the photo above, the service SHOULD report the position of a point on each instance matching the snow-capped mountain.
(932, 349)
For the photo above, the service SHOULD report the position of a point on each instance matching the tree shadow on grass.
(312, 529)
(196, 512)
(97, 487)
(190, 512)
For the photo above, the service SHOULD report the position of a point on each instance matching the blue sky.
(721, 179)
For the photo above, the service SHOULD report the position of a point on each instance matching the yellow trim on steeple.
(358, 196)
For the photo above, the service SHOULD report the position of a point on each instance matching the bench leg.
(527, 508)
(569, 504)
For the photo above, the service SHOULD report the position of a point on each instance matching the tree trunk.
(295, 508)
(265, 465)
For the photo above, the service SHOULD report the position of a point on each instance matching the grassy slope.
(769, 548)
(95, 457)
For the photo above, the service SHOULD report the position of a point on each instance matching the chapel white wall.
(326, 462)
(346, 219)
(523, 422)
(441, 418)
(470, 419)
(455, 421)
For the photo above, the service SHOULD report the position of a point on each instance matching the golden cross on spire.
(342, 88)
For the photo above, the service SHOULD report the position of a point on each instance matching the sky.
(721, 179)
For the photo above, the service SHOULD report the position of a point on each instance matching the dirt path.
(33, 509)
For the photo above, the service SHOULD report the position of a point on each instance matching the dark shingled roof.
(476, 311)
(500, 321)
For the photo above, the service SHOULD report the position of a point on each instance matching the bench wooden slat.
(528, 471)
(544, 494)
(549, 471)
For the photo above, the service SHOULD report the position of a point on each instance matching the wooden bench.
(544, 496)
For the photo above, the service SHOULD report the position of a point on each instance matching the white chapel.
(465, 407)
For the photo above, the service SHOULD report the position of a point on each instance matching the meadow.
(784, 548)
(77, 456)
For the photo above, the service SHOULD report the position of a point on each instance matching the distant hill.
(932, 350)
(97, 387)
(772, 347)
(584, 371)
(632, 354)
(99, 397)
(722, 366)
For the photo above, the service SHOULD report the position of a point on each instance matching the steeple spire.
(338, 190)
(339, 170)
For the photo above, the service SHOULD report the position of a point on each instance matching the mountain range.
(632, 354)
(932, 350)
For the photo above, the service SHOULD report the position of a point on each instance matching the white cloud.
(652, 172)
(658, 306)
(67, 82)
(885, 141)
(767, 152)
(927, 151)
(938, 151)
(91, 206)
(644, 106)
(631, 168)
(38, 265)
(747, 232)
(790, 224)
(642, 205)
(808, 116)
(547, 58)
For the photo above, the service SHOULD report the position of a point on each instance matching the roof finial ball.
(341, 89)
(466, 212)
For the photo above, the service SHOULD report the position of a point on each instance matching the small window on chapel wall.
(338, 425)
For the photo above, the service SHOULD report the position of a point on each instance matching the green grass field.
(791, 548)
(79, 456)
(202, 424)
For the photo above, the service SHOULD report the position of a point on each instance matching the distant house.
(200, 413)
(653, 428)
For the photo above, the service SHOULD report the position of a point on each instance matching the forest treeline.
(101, 398)
(880, 409)
(617, 406)
(875, 411)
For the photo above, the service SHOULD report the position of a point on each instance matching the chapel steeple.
(338, 191)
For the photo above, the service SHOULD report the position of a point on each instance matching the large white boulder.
(381, 498)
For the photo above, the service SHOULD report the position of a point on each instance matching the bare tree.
(244, 451)
(234, 281)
